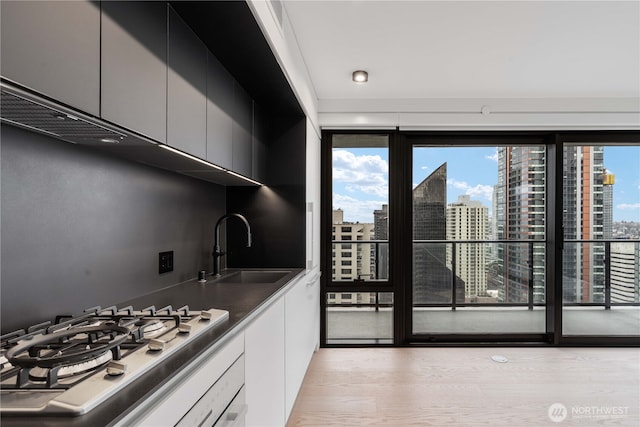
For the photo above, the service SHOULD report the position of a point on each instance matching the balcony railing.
(517, 269)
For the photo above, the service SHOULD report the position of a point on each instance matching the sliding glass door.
(478, 215)
(440, 237)
(359, 306)
(601, 233)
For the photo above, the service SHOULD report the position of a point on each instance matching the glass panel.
(625, 273)
(479, 228)
(362, 261)
(432, 275)
(601, 220)
(360, 182)
(360, 318)
(494, 287)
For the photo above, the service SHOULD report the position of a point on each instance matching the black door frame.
(400, 224)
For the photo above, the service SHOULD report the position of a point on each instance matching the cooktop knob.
(184, 328)
(156, 345)
(116, 368)
(205, 315)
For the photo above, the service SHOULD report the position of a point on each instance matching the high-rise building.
(624, 269)
(584, 218)
(625, 272)
(351, 260)
(468, 220)
(608, 180)
(519, 216)
(380, 254)
(432, 278)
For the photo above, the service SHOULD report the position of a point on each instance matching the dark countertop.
(244, 301)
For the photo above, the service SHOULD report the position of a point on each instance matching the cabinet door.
(264, 368)
(134, 66)
(53, 48)
(313, 196)
(260, 136)
(302, 314)
(187, 88)
(219, 113)
(242, 131)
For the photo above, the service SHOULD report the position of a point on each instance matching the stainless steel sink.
(251, 276)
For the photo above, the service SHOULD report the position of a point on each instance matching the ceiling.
(469, 49)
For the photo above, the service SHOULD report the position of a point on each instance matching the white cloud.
(628, 206)
(424, 168)
(461, 185)
(481, 191)
(477, 191)
(367, 174)
(493, 157)
(356, 210)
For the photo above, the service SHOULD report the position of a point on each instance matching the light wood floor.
(465, 387)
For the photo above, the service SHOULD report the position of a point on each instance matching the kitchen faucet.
(216, 246)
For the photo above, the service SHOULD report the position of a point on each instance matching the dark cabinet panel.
(134, 66)
(219, 113)
(259, 144)
(242, 131)
(54, 48)
(187, 88)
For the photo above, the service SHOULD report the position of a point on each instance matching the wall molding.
(482, 114)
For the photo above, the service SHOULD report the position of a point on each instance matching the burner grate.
(65, 348)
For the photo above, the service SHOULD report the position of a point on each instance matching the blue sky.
(361, 177)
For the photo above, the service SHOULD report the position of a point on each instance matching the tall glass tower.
(432, 278)
(520, 216)
(584, 218)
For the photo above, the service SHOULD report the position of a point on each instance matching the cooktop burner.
(72, 350)
(79, 357)
(65, 371)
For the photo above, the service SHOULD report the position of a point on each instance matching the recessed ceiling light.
(360, 76)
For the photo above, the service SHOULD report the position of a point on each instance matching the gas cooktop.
(72, 365)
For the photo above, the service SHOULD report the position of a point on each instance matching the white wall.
(482, 114)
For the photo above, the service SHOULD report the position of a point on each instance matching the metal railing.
(531, 263)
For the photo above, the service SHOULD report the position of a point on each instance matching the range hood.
(22, 108)
(29, 111)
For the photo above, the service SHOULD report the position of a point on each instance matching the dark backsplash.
(81, 229)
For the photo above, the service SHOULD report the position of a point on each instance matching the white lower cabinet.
(278, 345)
(302, 316)
(278, 348)
(198, 395)
(264, 368)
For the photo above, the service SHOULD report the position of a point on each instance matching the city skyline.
(360, 177)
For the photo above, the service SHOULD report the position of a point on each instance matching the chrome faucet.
(216, 246)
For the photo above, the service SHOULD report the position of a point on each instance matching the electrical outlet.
(165, 262)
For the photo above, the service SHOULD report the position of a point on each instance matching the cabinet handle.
(314, 278)
(234, 415)
(204, 420)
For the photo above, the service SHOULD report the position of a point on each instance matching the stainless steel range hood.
(27, 110)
